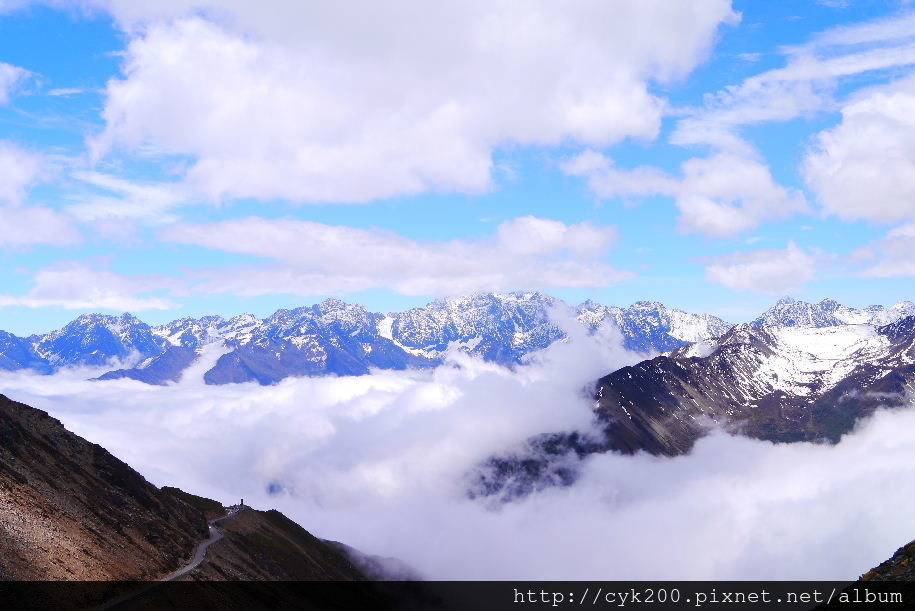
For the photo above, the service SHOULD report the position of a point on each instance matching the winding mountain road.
(199, 555)
(201, 551)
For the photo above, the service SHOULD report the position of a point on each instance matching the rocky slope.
(159, 370)
(70, 510)
(899, 567)
(266, 545)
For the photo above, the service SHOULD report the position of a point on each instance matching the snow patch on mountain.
(207, 356)
(809, 359)
(700, 349)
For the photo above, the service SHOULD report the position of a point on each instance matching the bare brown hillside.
(266, 545)
(70, 510)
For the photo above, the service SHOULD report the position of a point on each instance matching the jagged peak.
(647, 305)
(526, 296)
(333, 303)
(285, 313)
(521, 316)
(209, 320)
(90, 317)
(498, 296)
(105, 320)
(591, 305)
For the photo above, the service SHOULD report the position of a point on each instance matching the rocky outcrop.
(899, 567)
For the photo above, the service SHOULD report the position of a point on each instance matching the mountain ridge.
(828, 312)
(336, 337)
(341, 338)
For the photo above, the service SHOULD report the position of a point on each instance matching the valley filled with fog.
(382, 463)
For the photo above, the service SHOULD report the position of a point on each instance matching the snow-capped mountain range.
(335, 337)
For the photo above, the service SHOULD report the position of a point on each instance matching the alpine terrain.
(790, 375)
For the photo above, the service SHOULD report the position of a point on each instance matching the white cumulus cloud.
(864, 168)
(112, 198)
(352, 102)
(19, 169)
(891, 256)
(721, 195)
(24, 226)
(10, 77)
(804, 86)
(77, 285)
(767, 270)
(308, 258)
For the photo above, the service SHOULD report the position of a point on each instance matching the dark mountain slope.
(773, 384)
(157, 370)
(71, 510)
(268, 546)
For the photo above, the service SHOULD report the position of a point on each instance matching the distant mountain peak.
(829, 312)
(332, 304)
(646, 305)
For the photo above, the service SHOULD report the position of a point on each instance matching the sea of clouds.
(381, 463)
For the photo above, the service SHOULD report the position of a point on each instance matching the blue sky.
(220, 157)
